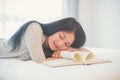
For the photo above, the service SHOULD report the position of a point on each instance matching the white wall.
(101, 21)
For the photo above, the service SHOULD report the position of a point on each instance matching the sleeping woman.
(40, 42)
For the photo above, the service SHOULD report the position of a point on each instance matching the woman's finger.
(56, 54)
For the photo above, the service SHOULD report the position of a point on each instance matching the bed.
(11, 69)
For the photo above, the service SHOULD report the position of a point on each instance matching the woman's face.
(61, 40)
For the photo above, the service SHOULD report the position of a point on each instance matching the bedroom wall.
(101, 21)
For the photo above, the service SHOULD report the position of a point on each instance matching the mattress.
(11, 69)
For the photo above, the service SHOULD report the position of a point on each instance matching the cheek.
(54, 38)
(50, 42)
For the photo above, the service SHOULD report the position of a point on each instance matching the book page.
(96, 61)
(61, 62)
(80, 56)
(70, 55)
(85, 55)
(75, 58)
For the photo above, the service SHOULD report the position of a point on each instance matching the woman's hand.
(51, 58)
(56, 54)
(77, 49)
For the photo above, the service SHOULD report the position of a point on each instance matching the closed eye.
(67, 44)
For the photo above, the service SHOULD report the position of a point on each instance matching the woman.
(39, 41)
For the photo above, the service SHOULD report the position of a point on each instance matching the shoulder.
(35, 26)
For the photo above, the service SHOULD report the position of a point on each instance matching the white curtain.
(71, 8)
(13, 13)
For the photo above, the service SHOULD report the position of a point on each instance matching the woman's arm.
(77, 49)
(33, 40)
(56, 54)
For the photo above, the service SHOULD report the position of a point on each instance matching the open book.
(75, 58)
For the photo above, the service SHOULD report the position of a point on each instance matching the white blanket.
(11, 69)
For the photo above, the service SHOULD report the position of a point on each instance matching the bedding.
(12, 69)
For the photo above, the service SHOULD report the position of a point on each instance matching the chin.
(52, 48)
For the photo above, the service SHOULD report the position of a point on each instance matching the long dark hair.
(66, 24)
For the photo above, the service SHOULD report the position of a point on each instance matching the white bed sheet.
(11, 69)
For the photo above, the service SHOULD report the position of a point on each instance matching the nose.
(61, 44)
